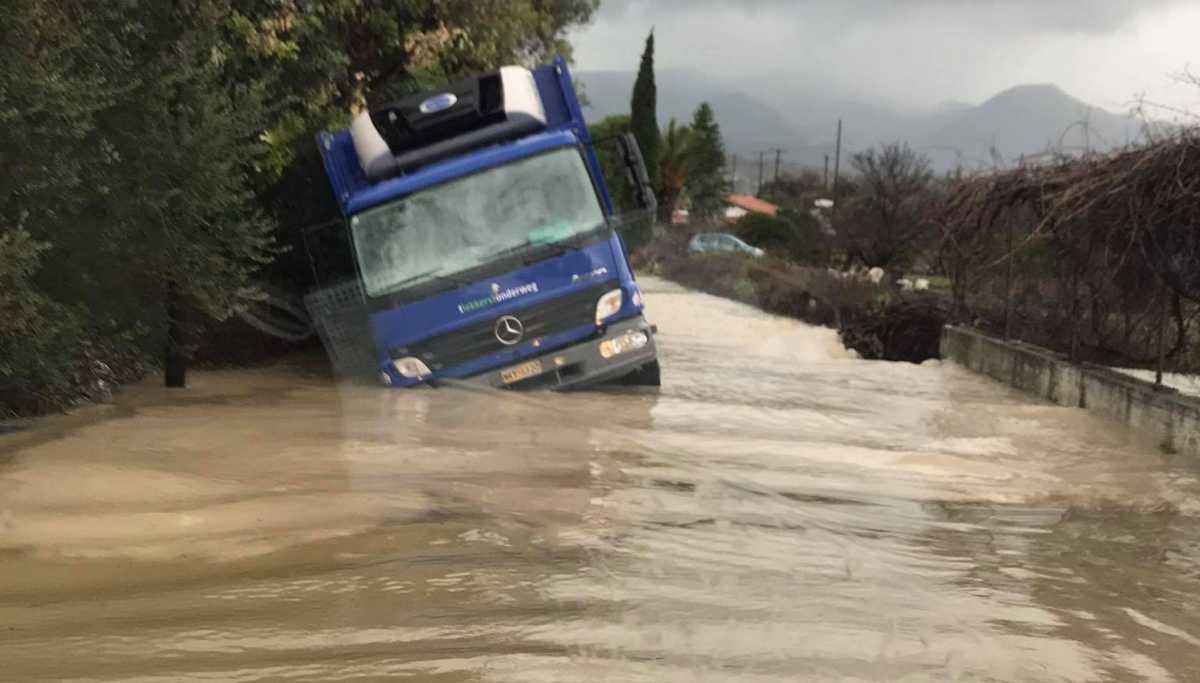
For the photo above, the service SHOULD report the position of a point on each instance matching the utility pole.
(825, 183)
(762, 156)
(733, 174)
(778, 154)
(837, 164)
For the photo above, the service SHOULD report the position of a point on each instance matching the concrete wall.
(1165, 418)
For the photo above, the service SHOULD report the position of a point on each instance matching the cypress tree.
(706, 164)
(643, 110)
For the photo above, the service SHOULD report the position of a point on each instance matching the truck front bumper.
(581, 364)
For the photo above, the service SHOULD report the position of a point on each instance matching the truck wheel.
(646, 376)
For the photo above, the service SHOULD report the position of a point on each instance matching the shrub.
(39, 340)
(791, 235)
(810, 244)
(714, 273)
(766, 232)
(904, 329)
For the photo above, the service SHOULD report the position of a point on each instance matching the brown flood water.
(778, 512)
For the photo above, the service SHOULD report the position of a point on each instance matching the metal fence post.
(1074, 313)
(1162, 339)
(1008, 286)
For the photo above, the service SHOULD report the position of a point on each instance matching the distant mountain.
(1025, 120)
(748, 123)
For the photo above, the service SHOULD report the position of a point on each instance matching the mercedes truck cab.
(485, 244)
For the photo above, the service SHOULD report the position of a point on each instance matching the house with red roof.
(738, 205)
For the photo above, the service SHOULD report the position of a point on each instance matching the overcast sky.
(916, 53)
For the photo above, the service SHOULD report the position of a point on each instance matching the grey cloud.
(805, 55)
(1064, 16)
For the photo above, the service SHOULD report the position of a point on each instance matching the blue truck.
(485, 243)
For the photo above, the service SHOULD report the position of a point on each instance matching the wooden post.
(762, 159)
(837, 171)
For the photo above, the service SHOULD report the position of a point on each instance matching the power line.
(762, 165)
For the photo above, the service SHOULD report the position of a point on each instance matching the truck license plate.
(519, 372)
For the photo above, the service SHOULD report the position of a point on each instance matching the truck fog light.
(412, 368)
(630, 341)
(637, 296)
(608, 349)
(608, 305)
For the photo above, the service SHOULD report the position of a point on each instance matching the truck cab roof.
(365, 175)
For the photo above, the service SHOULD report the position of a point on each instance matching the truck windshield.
(467, 222)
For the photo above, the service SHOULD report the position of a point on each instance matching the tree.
(673, 168)
(643, 111)
(150, 140)
(187, 137)
(882, 226)
(59, 72)
(796, 190)
(325, 57)
(707, 184)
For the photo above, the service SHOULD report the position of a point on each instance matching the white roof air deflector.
(522, 102)
(373, 153)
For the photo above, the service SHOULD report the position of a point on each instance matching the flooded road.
(779, 511)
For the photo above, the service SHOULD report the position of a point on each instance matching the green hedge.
(39, 339)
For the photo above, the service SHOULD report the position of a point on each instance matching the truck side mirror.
(635, 172)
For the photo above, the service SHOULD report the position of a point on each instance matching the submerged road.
(779, 511)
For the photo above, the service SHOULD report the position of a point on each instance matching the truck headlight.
(412, 368)
(630, 341)
(608, 305)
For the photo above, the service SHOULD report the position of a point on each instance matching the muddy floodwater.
(778, 512)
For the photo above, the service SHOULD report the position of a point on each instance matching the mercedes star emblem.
(509, 330)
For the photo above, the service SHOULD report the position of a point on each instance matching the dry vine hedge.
(1098, 257)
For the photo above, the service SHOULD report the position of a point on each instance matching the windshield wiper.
(512, 250)
(560, 247)
(410, 280)
(426, 277)
(452, 279)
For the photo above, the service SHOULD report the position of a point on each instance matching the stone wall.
(1164, 418)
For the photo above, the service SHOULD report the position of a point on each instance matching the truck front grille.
(479, 339)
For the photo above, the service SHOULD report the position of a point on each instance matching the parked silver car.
(707, 242)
